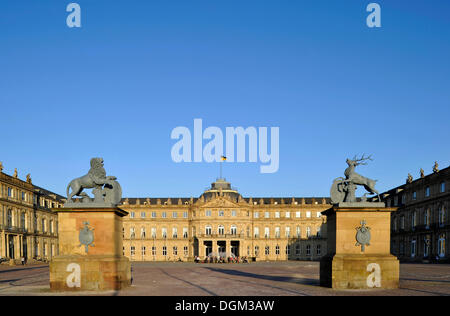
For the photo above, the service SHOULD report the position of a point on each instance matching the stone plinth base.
(90, 251)
(89, 273)
(359, 272)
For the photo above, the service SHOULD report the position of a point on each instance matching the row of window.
(26, 197)
(426, 193)
(163, 215)
(267, 250)
(154, 252)
(233, 213)
(221, 231)
(143, 233)
(426, 247)
(46, 225)
(399, 222)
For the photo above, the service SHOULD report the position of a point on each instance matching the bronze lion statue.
(95, 179)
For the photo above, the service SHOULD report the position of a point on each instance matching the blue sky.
(135, 70)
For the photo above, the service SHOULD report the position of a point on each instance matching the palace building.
(223, 223)
(28, 227)
(421, 227)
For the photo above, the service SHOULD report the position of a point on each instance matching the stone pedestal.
(358, 244)
(90, 251)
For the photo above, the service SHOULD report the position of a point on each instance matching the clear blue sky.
(117, 86)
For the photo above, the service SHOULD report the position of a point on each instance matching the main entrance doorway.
(208, 247)
(235, 248)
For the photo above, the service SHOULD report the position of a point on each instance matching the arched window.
(233, 230)
(221, 230)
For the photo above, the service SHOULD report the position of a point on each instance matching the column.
(17, 250)
(7, 245)
(228, 247)
(201, 249)
(215, 247)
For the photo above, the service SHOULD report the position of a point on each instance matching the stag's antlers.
(363, 158)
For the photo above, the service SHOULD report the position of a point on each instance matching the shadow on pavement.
(304, 281)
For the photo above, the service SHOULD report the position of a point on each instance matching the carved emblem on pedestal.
(86, 236)
(363, 235)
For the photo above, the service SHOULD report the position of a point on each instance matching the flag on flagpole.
(224, 158)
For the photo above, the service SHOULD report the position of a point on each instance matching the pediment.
(220, 202)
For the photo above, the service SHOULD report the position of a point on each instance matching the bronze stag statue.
(343, 189)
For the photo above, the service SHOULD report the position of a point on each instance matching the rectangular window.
(208, 230)
(318, 214)
(277, 214)
(427, 191)
(131, 214)
(164, 251)
(185, 232)
(175, 251)
(132, 250)
(143, 214)
(174, 214)
(185, 251)
(414, 195)
(318, 250)
(164, 215)
(308, 214)
(256, 214)
(174, 232)
(233, 213)
(297, 214)
(413, 249)
(221, 213)
(208, 213)
(277, 232)
(153, 232)
(288, 214)
(288, 232)
(267, 250)
(442, 187)
(153, 251)
(298, 232)
(441, 246)
(143, 249)
(153, 214)
(266, 232)
(308, 250)
(164, 232)
(185, 214)
(256, 232)
(266, 215)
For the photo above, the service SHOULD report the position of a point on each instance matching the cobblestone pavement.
(254, 279)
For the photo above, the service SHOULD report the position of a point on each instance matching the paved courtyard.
(254, 279)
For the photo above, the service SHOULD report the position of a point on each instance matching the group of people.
(221, 259)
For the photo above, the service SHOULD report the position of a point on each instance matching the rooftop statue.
(107, 192)
(343, 189)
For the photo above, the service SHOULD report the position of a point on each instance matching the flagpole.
(221, 161)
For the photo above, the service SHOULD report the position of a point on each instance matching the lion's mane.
(97, 169)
